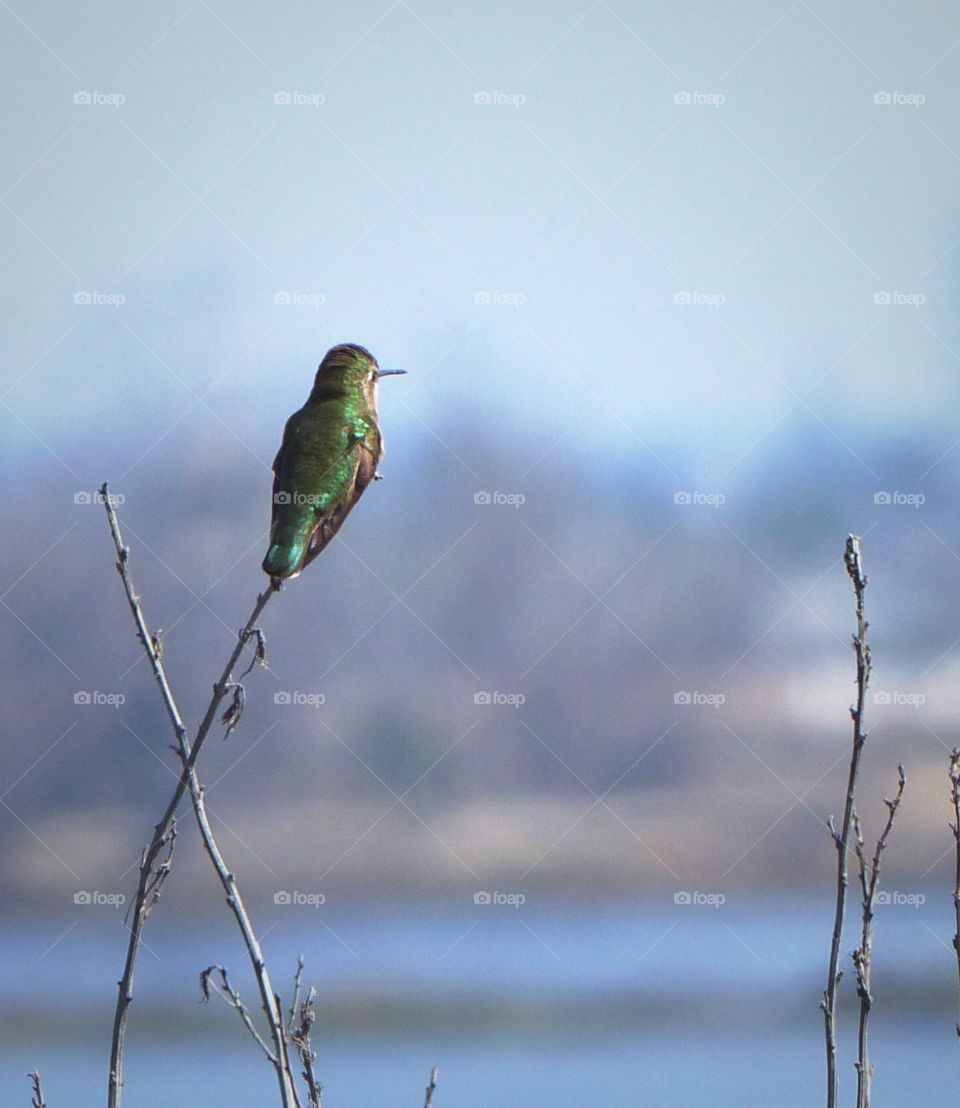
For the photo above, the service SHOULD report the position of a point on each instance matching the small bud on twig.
(231, 717)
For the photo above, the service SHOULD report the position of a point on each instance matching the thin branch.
(431, 1088)
(148, 886)
(37, 1101)
(229, 995)
(268, 998)
(854, 563)
(157, 876)
(863, 955)
(295, 1003)
(955, 826)
(300, 1037)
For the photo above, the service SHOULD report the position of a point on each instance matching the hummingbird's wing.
(319, 474)
(368, 455)
(291, 516)
(277, 468)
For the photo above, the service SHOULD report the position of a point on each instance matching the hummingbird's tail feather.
(282, 561)
(288, 548)
(288, 555)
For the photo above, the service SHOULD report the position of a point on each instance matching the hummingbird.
(329, 454)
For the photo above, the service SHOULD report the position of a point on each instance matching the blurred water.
(550, 1004)
(675, 1071)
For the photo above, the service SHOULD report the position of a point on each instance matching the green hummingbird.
(329, 454)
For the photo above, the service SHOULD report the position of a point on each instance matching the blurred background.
(538, 775)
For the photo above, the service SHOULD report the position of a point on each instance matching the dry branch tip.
(37, 1100)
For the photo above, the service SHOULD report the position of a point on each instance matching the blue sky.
(682, 220)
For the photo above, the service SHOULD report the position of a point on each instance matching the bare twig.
(295, 1003)
(231, 717)
(230, 996)
(37, 1100)
(268, 998)
(955, 798)
(259, 651)
(149, 884)
(159, 877)
(863, 955)
(854, 563)
(431, 1088)
(300, 1037)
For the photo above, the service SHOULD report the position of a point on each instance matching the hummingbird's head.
(347, 367)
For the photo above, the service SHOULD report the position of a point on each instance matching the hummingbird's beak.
(389, 372)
